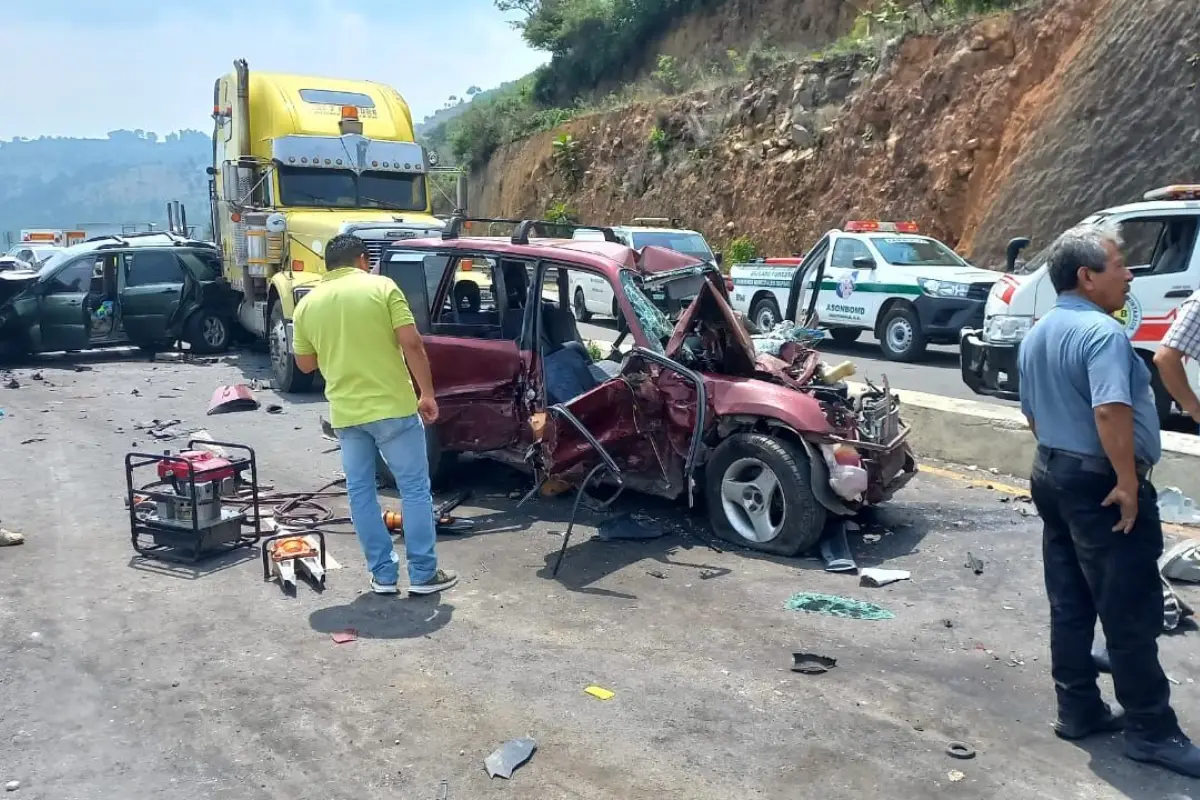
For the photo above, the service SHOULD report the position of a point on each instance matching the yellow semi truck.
(296, 161)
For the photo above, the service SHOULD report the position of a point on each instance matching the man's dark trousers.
(1092, 570)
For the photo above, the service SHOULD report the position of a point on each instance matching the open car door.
(644, 425)
(476, 368)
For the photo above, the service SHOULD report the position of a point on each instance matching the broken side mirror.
(863, 262)
(1015, 246)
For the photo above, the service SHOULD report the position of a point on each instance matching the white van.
(1160, 249)
(593, 295)
(884, 277)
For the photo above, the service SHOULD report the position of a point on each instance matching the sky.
(86, 67)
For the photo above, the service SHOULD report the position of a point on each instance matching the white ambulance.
(1162, 251)
(907, 289)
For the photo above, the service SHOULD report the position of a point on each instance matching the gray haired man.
(1087, 397)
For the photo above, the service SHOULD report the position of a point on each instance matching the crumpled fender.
(746, 396)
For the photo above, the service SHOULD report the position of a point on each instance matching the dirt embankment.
(1018, 124)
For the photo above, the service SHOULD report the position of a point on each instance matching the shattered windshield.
(657, 327)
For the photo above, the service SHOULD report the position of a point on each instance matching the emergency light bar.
(873, 226)
(1185, 191)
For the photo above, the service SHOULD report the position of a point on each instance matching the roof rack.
(539, 226)
(454, 227)
(672, 222)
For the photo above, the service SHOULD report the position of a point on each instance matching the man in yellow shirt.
(357, 328)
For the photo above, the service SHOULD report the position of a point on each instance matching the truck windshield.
(305, 187)
(691, 244)
(911, 251)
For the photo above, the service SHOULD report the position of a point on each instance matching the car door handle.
(1178, 293)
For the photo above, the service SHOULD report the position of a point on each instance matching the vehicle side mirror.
(1015, 246)
(720, 257)
(863, 262)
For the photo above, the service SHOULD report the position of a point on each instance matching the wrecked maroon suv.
(674, 409)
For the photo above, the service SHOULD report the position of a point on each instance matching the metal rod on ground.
(562, 552)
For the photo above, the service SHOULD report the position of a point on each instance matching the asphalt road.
(937, 374)
(119, 678)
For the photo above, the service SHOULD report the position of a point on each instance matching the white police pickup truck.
(907, 289)
(1161, 248)
(593, 295)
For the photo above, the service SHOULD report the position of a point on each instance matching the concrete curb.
(996, 437)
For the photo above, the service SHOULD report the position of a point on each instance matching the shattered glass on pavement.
(834, 606)
(770, 342)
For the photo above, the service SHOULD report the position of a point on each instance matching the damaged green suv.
(148, 290)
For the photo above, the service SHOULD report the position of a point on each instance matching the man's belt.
(1097, 464)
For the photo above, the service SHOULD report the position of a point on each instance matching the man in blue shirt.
(1086, 394)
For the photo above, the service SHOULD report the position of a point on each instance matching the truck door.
(476, 368)
(1161, 251)
(151, 282)
(62, 311)
(846, 296)
(806, 281)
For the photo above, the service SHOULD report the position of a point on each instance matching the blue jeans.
(401, 442)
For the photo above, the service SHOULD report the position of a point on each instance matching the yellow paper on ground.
(600, 693)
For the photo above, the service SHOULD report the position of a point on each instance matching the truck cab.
(1162, 249)
(909, 290)
(296, 161)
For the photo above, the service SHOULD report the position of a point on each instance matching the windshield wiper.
(383, 204)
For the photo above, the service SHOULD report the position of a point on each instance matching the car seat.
(468, 302)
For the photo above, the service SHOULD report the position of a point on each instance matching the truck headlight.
(1006, 328)
(936, 288)
(299, 292)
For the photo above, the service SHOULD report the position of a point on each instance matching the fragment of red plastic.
(232, 398)
(345, 637)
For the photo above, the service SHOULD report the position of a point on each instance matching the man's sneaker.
(1105, 721)
(1177, 754)
(10, 538)
(443, 579)
(384, 588)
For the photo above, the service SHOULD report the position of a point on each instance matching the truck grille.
(979, 291)
(375, 249)
(879, 420)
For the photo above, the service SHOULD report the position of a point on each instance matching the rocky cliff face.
(1018, 124)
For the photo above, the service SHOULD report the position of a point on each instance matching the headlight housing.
(299, 292)
(1006, 328)
(936, 288)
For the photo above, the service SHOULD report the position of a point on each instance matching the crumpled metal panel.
(232, 398)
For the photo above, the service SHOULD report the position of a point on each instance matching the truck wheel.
(759, 495)
(901, 337)
(208, 333)
(845, 335)
(765, 314)
(288, 377)
(441, 462)
(581, 310)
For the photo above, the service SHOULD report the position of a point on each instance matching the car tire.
(441, 463)
(208, 333)
(845, 335)
(794, 516)
(765, 314)
(900, 336)
(288, 377)
(579, 302)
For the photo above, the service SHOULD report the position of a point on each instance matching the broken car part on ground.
(682, 410)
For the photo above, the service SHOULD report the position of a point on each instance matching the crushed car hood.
(710, 307)
(14, 282)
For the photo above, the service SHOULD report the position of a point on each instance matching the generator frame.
(181, 543)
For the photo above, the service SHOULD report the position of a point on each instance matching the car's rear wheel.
(288, 377)
(765, 314)
(208, 333)
(759, 495)
(579, 302)
(845, 335)
(901, 337)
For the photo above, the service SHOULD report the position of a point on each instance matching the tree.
(474, 90)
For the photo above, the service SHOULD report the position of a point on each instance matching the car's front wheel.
(765, 314)
(580, 303)
(208, 333)
(759, 494)
(288, 377)
(845, 335)
(901, 337)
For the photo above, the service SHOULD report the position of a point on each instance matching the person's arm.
(1110, 370)
(1182, 341)
(302, 346)
(1022, 381)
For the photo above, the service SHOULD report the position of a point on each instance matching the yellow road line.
(1016, 491)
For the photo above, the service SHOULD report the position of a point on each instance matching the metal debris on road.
(626, 526)
(812, 663)
(34, 440)
(600, 693)
(12, 786)
(343, 637)
(274, 408)
(13, 383)
(653, 573)
(871, 538)
(960, 750)
(1177, 508)
(232, 398)
(10, 538)
(875, 578)
(443, 791)
(974, 564)
(834, 606)
(511, 755)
